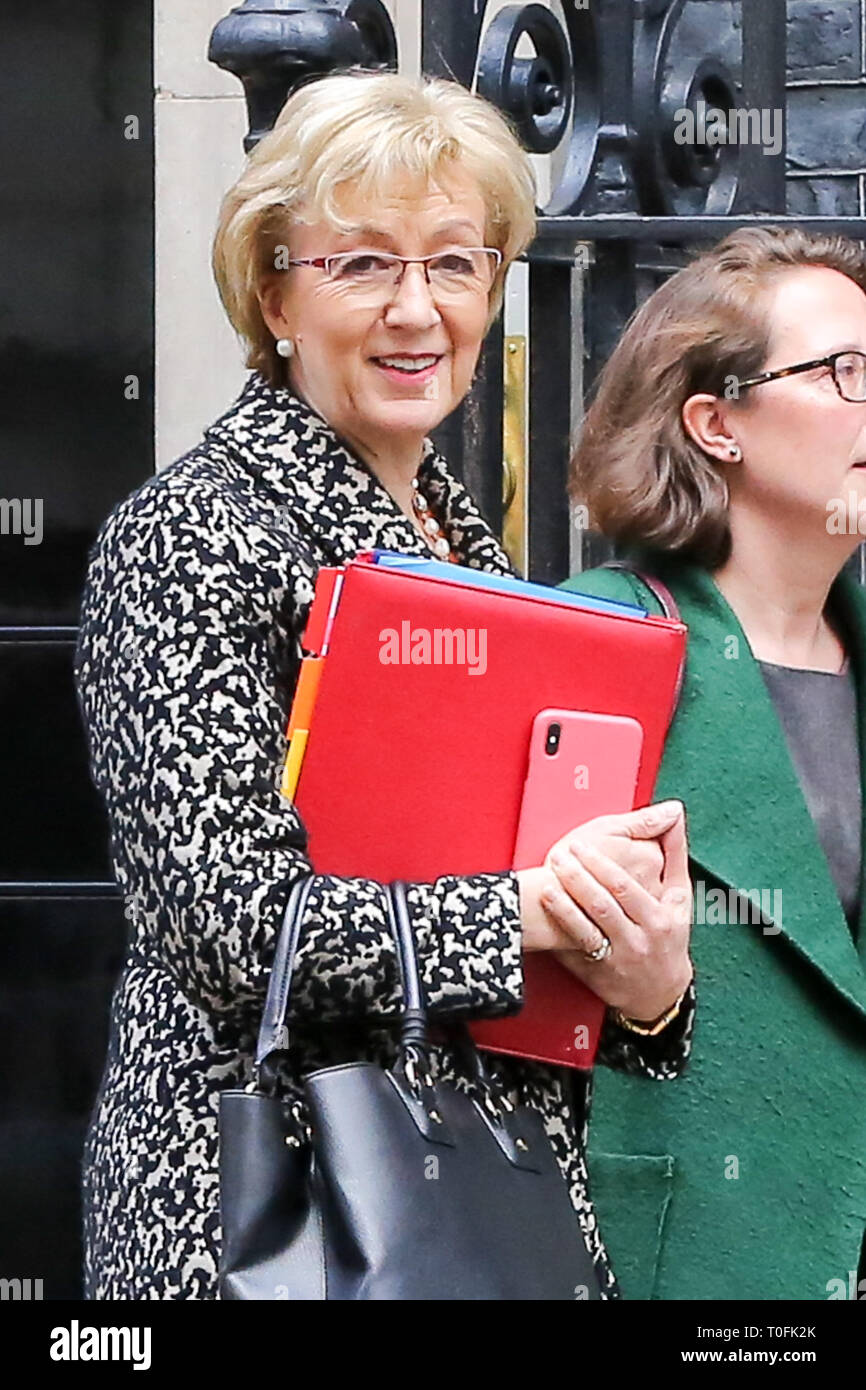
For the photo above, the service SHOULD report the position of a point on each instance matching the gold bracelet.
(656, 1025)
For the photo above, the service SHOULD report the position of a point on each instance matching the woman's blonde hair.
(373, 131)
(645, 482)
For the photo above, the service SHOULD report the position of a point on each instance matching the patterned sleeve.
(184, 666)
(661, 1058)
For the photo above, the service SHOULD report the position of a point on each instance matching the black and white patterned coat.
(197, 594)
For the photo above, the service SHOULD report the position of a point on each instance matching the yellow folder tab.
(305, 694)
(294, 759)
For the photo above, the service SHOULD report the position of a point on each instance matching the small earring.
(285, 347)
(735, 452)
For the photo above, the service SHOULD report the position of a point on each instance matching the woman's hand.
(630, 839)
(625, 878)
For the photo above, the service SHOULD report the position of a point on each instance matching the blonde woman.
(361, 257)
(726, 449)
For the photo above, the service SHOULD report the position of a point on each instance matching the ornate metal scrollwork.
(582, 149)
(551, 96)
(700, 166)
(535, 92)
(679, 177)
(272, 46)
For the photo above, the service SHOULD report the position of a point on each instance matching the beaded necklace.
(433, 533)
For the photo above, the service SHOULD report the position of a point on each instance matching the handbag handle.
(414, 1026)
(669, 607)
(273, 1034)
(660, 591)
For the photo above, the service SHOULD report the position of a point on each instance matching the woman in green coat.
(725, 453)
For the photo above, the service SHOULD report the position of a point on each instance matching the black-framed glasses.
(848, 368)
(375, 275)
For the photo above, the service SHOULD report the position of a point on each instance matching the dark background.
(76, 318)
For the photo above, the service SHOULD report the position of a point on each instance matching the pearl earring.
(285, 347)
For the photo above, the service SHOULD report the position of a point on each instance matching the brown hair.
(644, 481)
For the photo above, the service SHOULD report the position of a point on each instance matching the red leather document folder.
(413, 717)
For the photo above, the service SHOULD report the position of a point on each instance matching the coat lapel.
(851, 600)
(727, 759)
(333, 495)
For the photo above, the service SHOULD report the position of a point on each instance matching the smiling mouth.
(409, 364)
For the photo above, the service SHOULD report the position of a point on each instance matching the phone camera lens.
(551, 743)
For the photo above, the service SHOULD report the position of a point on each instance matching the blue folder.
(505, 583)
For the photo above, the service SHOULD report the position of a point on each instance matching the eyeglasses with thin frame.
(848, 368)
(459, 271)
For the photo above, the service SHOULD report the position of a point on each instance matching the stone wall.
(826, 95)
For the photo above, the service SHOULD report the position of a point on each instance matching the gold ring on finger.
(601, 952)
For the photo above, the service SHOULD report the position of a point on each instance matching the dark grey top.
(818, 711)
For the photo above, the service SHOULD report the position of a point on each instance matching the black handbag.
(399, 1186)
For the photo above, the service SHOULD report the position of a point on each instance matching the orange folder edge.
(300, 718)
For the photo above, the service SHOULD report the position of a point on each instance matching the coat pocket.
(631, 1194)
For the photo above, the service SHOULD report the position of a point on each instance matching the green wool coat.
(746, 1177)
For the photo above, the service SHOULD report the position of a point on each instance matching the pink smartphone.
(580, 765)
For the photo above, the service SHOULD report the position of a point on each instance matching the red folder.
(413, 766)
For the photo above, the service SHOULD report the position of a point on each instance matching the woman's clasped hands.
(613, 901)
